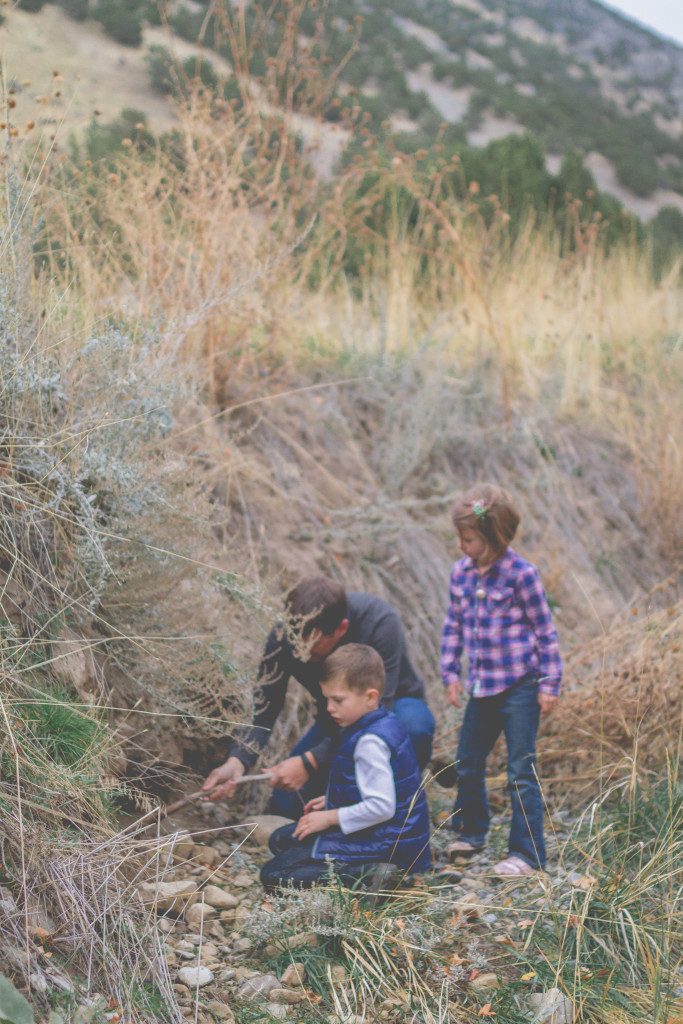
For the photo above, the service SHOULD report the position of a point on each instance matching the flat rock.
(295, 975)
(197, 914)
(264, 825)
(277, 1010)
(219, 898)
(261, 985)
(286, 996)
(485, 980)
(552, 1007)
(195, 976)
(221, 1010)
(470, 905)
(169, 895)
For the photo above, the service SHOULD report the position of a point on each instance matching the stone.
(263, 827)
(182, 991)
(195, 977)
(216, 897)
(197, 914)
(209, 951)
(221, 1010)
(287, 996)
(295, 975)
(552, 1007)
(164, 925)
(485, 980)
(183, 848)
(259, 986)
(165, 896)
(469, 905)
(243, 880)
(338, 974)
(205, 855)
(277, 1010)
(242, 945)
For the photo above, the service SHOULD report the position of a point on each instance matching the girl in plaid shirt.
(499, 616)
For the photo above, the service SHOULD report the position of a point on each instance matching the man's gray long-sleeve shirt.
(372, 621)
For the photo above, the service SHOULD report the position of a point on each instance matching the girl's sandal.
(461, 848)
(513, 866)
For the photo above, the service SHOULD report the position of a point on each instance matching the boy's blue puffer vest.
(404, 839)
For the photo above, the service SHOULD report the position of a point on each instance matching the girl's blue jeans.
(514, 712)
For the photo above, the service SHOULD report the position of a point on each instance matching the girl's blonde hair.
(490, 512)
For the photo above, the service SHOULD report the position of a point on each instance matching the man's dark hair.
(317, 602)
(360, 667)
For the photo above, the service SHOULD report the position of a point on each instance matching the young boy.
(375, 808)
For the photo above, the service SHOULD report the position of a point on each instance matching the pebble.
(220, 1010)
(277, 1010)
(169, 895)
(197, 914)
(286, 996)
(552, 1007)
(243, 880)
(295, 975)
(260, 985)
(195, 976)
(219, 898)
(485, 980)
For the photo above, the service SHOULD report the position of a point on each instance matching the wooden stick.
(260, 777)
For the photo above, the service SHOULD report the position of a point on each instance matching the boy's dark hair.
(360, 667)
(317, 602)
(490, 512)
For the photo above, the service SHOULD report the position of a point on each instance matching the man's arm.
(273, 677)
(388, 639)
(270, 698)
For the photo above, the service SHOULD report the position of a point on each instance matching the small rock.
(277, 1010)
(242, 945)
(470, 882)
(260, 985)
(264, 825)
(469, 905)
(164, 925)
(197, 914)
(287, 996)
(182, 991)
(338, 974)
(221, 1010)
(205, 855)
(490, 918)
(243, 880)
(552, 1007)
(485, 980)
(209, 951)
(169, 895)
(183, 848)
(219, 898)
(195, 976)
(295, 975)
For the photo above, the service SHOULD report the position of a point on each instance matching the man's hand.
(315, 821)
(226, 774)
(547, 701)
(289, 774)
(454, 693)
(316, 804)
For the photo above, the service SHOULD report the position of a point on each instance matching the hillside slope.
(579, 77)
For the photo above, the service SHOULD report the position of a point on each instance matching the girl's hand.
(316, 804)
(454, 693)
(315, 821)
(547, 701)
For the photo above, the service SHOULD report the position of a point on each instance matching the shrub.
(76, 9)
(122, 20)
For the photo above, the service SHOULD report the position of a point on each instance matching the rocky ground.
(229, 961)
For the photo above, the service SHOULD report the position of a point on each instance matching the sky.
(664, 16)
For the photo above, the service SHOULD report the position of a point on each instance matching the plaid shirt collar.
(499, 567)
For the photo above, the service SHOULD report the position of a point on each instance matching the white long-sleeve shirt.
(375, 780)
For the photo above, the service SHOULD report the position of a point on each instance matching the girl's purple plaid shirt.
(503, 623)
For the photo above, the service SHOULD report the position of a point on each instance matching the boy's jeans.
(515, 712)
(417, 720)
